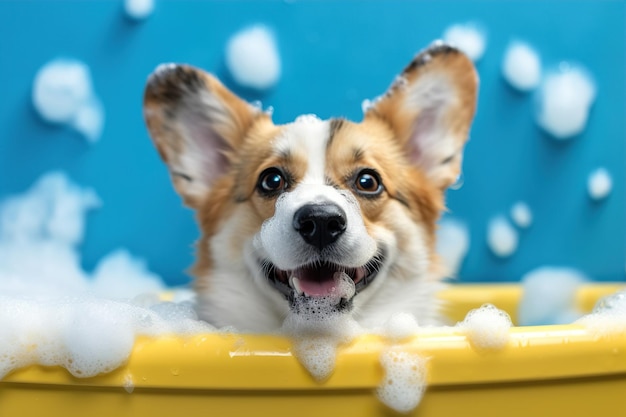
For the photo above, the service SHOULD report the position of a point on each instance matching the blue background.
(334, 55)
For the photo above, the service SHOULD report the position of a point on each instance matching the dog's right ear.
(196, 123)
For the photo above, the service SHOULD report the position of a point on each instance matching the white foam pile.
(502, 238)
(317, 329)
(599, 184)
(63, 93)
(608, 317)
(252, 58)
(404, 380)
(138, 9)
(400, 327)
(521, 66)
(52, 312)
(468, 37)
(549, 296)
(564, 101)
(453, 242)
(522, 215)
(487, 327)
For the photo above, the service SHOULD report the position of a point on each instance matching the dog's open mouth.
(323, 280)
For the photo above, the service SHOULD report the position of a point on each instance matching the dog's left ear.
(430, 108)
(197, 125)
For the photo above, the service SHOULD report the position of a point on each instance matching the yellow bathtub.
(543, 371)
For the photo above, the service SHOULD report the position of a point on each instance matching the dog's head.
(313, 209)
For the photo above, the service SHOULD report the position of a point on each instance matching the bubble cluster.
(469, 38)
(252, 58)
(502, 238)
(487, 327)
(453, 242)
(564, 101)
(549, 296)
(608, 317)
(521, 214)
(62, 93)
(400, 326)
(521, 66)
(404, 380)
(599, 184)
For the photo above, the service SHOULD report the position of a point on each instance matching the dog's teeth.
(295, 284)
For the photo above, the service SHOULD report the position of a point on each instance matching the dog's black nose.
(320, 224)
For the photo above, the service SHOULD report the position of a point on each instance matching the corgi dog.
(315, 209)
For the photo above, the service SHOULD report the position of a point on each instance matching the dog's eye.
(271, 181)
(368, 182)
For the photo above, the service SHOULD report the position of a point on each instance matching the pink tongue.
(318, 288)
(320, 281)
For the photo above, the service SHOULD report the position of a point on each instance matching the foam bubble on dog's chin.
(252, 58)
(549, 296)
(452, 244)
(521, 214)
(502, 238)
(564, 101)
(469, 38)
(404, 380)
(521, 66)
(318, 329)
(599, 184)
(608, 317)
(487, 327)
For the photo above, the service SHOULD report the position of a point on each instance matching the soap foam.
(502, 238)
(549, 296)
(400, 327)
(487, 327)
(521, 214)
(54, 313)
(599, 184)
(453, 242)
(138, 9)
(521, 66)
(469, 38)
(564, 101)
(252, 58)
(404, 380)
(63, 93)
(317, 330)
(608, 318)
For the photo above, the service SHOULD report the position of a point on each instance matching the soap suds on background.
(469, 38)
(522, 215)
(253, 59)
(453, 242)
(502, 238)
(549, 296)
(63, 93)
(564, 101)
(599, 184)
(138, 9)
(521, 66)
